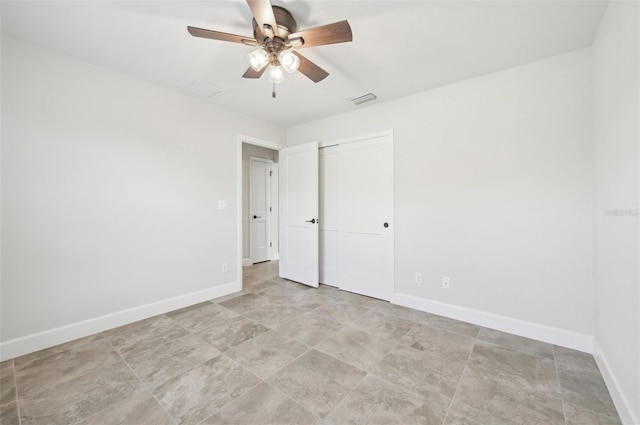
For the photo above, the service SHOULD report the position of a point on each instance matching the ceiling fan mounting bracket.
(286, 25)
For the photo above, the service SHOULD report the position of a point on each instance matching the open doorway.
(259, 150)
(259, 204)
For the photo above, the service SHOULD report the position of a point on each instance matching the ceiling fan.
(276, 33)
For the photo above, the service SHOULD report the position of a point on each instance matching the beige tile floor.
(282, 353)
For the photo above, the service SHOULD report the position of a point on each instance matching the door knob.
(386, 224)
(312, 221)
(256, 216)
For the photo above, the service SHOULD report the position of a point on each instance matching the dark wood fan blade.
(338, 32)
(250, 73)
(310, 69)
(223, 36)
(263, 12)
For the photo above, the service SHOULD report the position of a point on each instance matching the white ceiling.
(398, 48)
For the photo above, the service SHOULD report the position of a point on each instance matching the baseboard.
(519, 327)
(275, 257)
(38, 341)
(623, 406)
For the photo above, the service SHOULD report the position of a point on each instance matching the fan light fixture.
(258, 59)
(276, 35)
(276, 75)
(289, 61)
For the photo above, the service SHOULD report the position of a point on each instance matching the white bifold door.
(354, 236)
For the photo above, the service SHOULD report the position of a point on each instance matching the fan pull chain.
(273, 93)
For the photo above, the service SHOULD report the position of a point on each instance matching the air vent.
(363, 99)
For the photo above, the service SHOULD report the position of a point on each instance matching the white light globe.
(289, 61)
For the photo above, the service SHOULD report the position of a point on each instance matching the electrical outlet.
(225, 267)
(446, 282)
(419, 278)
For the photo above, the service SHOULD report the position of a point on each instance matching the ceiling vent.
(369, 97)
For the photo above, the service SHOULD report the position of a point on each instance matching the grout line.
(293, 399)
(513, 350)
(458, 383)
(260, 381)
(162, 407)
(64, 379)
(190, 367)
(342, 326)
(309, 348)
(125, 362)
(555, 367)
(346, 396)
(15, 384)
(145, 386)
(400, 343)
(367, 373)
(155, 346)
(120, 402)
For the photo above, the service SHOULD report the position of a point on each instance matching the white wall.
(493, 188)
(248, 151)
(109, 195)
(617, 237)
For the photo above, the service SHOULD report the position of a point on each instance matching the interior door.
(259, 209)
(366, 217)
(299, 213)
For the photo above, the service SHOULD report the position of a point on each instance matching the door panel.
(364, 257)
(363, 186)
(366, 201)
(329, 257)
(329, 215)
(259, 205)
(298, 206)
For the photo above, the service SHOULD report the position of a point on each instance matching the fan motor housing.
(286, 25)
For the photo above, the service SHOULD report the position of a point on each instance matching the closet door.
(299, 214)
(330, 215)
(366, 217)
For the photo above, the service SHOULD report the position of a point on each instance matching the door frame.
(251, 141)
(251, 189)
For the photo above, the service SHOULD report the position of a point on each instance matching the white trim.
(621, 402)
(375, 135)
(252, 141)
(246, 262)
(557, 336)
(275, 256)
(258, 142)
(38, 341)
